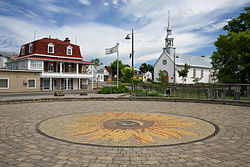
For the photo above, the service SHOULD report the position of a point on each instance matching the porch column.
(60, 67)
(92, 73)
(28, 66)
(79, 83)
(67, 83)
(50, 84)
(77, 69)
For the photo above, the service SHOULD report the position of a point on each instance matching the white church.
(170, 62)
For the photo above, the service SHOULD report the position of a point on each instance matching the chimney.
(67, 40)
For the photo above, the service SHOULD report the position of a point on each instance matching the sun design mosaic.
(126, 129)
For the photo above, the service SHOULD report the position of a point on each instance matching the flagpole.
(117, 64)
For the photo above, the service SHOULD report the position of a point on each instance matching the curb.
(186, 100)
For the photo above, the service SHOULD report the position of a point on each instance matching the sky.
(98, 24)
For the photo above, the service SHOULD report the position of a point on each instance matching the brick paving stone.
(21, 145)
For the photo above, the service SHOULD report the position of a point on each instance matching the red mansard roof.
(41, 47)
(59, 59)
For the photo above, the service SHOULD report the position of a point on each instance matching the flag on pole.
(111, 50)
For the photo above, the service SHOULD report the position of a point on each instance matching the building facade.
(19, 80)
(170, 62)
(60, 62)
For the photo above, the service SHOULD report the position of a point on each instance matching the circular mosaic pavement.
(127, 129)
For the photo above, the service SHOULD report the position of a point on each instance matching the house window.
(194, 73)
(4, 83)
(31, 83)
(22, 50)
(35, 64)
(201, 73)
(69, 50)
(51, 67)
(51, 48)
(30, 48)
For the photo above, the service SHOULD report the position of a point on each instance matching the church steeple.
(169, 40)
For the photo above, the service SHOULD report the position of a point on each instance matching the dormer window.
(51, 48)
(69, 50)
(30, 48)
(23, 50)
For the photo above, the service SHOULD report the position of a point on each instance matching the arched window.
(51, 48)
(69, 50)
(194, 73)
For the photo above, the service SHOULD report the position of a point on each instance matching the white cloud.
(115, 2)
(193, 25)
(84, 2)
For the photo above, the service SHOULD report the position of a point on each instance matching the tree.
(127, 74)
(163, 78)
(96, 61)
(113, 68)
(183, 73)
(231, 60)
(146, 67)
(240, 23)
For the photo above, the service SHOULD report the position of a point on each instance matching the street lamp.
(132, 54)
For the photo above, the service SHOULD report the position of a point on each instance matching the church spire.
(169, 29)
(169, 41)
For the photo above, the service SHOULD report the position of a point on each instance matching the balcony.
(65, 70)
(65, 75)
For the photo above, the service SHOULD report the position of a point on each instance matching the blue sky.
(98, 24)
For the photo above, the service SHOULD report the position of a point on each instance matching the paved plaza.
(28, 134)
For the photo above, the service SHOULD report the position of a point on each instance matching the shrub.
(111, 90)
(153, 93)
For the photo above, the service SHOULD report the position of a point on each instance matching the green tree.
(96, 61)
(183, 73)
(113, 68)
(231, 60)
(163, 78)
(146, 67)
(127, 74)
(240, 23)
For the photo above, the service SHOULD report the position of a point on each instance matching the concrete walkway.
(22, 145)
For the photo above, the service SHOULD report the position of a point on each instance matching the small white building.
(170, 62)
(147, 76)
(102, 74)
(4, 58)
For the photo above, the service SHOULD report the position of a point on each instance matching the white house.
(102, 74)
(146, 76)
(4, 58)
(170, 62)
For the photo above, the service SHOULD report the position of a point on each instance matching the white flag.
(111, 50)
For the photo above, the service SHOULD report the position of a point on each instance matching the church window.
(194, 73)
(164, 62)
